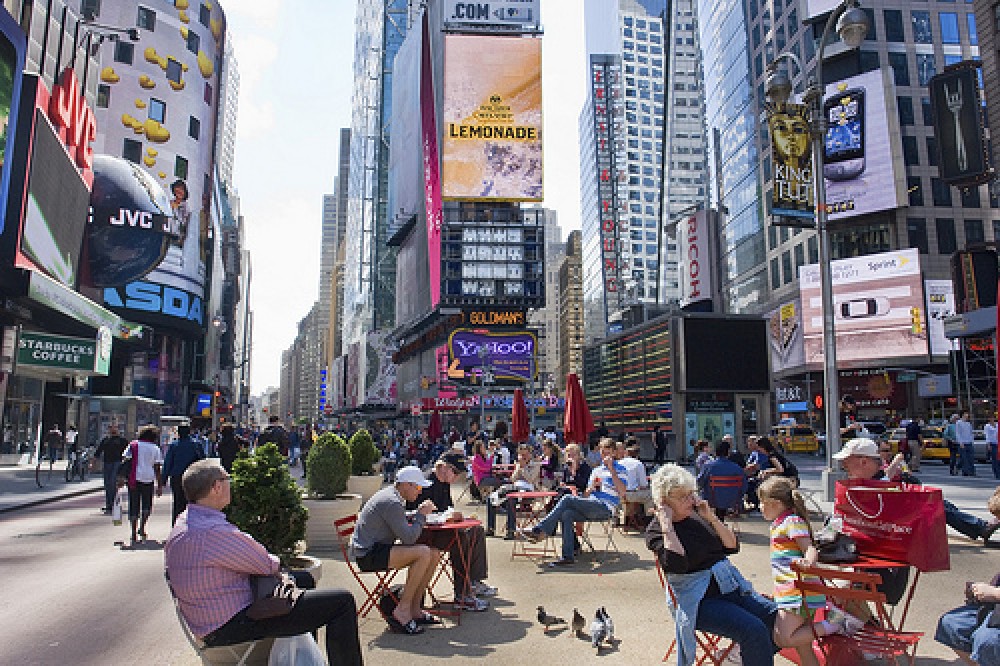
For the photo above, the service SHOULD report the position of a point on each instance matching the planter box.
(366, 486)
(321, 537)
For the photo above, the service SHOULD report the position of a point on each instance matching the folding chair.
(345, 528)
(725, 495)
(254, 653)
(709, 645)
(842, 586)
(608, 528)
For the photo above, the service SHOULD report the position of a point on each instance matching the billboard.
(492, 146)
(862, 162)
(510, 354)
(506, 13)
(380, 382)
(608, 104)
(791, 160)
(55, 208)
(878, 308)
(958, 125)
(784, 336)
(12, 50)
(432, 174)
(696, 259)
(940, 306)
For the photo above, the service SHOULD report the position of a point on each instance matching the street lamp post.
(484, 354)
(852, 26)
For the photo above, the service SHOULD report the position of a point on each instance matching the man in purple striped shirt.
(209, 563)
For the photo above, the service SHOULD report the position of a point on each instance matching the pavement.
(18, 489)
(625, 582)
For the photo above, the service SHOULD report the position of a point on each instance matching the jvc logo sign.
(132, 218)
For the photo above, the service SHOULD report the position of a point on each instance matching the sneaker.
(534, 534)
(844, 622)
(472, 604)
(990, 530)
(481, 589)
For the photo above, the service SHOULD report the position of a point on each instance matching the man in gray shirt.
(382, 521)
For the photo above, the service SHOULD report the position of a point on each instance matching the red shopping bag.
(897, 521)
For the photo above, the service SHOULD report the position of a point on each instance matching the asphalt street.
(74, 597)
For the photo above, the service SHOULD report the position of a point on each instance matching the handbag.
(895, 521)
(836, 548)
(300, 650)
(273, 596)
(116, 510)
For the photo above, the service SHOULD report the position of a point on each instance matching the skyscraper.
(642, 59)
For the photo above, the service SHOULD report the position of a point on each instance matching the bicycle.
(43, 474)
(78, 465)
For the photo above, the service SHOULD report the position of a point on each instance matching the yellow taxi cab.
(934, 444)
(795, 438)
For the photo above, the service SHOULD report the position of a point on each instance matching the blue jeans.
(110, 487)
(968, 457)
(994, 462)
(966, 523)
(569, 510)
(958, 630)
(747, 619)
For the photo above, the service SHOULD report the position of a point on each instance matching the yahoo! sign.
(510, 354)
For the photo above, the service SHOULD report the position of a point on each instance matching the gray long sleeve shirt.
(383, 519)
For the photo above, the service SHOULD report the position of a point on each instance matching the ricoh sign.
(696, 261)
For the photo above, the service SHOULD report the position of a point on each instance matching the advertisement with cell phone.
(879, 309)
(862, 162)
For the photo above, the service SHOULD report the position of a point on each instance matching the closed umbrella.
(434, 428)
(520, 428)
(577, 424)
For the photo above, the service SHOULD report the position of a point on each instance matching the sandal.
(411, 628)
(427, 619)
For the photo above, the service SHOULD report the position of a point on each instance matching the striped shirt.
(785, 532)
(209, 562)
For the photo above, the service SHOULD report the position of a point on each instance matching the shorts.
(377, 559)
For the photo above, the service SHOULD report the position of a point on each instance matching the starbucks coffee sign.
(59, 352)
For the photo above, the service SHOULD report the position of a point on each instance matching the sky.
(295, 60)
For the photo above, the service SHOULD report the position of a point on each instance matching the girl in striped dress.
(791, 540)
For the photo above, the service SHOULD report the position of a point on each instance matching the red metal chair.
(725, 495)
(710, 648)
(345, 528)
(842, 586)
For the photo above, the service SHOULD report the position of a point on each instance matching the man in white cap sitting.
(382, 521)
(861, 460)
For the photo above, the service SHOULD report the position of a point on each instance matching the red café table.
(528, 519)
(455, 527)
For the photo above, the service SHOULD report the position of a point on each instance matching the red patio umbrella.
(520, 427)
(434, 428)
(577, 424)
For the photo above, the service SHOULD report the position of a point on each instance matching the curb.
(50, 498)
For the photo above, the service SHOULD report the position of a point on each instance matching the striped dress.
(785, 529)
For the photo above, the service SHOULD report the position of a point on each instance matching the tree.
(328, 466)
(364, 453)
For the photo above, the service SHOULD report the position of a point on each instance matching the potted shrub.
(364, 455)
(328, 467)
(267, 505)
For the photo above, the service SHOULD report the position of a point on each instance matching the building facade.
(570, 311)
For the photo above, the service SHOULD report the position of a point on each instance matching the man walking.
(182, 453)
(110, 450)
(951, 441)
(963, 433)
(914, 445)
(990, 432)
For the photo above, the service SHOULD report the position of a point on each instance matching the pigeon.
(598, 632)
(547, 620)
(578, 623)
(609, 624)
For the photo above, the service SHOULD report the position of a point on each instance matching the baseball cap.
(412, 474)
(859, 446)
(456, 460)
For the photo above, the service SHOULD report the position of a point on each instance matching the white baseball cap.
(412, 474)
(859, 446)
